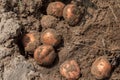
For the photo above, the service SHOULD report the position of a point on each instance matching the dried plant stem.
(113, 13)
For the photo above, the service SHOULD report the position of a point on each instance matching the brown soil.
(97, 34)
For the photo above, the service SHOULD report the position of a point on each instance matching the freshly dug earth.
(97, 34)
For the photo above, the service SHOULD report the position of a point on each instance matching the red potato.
(70, 70)
(55, 9)
(101, 68)
(71, 14)
(45, 55)
(31, 41)
(50, 37)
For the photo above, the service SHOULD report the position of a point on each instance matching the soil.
(97, 34)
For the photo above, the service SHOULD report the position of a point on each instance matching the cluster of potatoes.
(45, 54)
(70, 12)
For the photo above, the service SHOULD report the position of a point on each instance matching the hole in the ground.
(61, 44)
(20, 44)
(67, 1)
(44, 7)
(8, 6)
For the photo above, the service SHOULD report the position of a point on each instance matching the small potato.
(31, 41)
(50, 37)
(55, 9)
(48, 21)
(45, 55)
(70, 70)
(71, 14)
(101, 68)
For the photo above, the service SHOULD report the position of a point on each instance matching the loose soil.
(97, 34)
